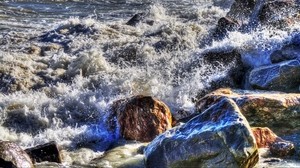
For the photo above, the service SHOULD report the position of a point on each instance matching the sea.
(64, 62)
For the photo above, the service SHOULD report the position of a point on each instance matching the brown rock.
(277, 110)
(142, 118)
(11, 155)
(264, 136)
(224, 25)
(282, 148)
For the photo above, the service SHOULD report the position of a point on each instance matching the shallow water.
(64, 92)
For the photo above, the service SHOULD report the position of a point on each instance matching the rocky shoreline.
(249, 118)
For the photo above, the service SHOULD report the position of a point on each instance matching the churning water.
(63, 63)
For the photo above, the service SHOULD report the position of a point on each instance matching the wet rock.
(242, 9)
(225, 25)
(264, 136)
(12, 156)
(276, 110)
(278, 13)
(283, 76)
(142, 118)
(125, 156)
(137, 18)
(282, 148)
(219, 136)
(288, 52)
(218, 60)
(46, 152)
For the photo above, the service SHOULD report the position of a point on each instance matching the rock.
(242, 9)
(46, 152)
(278, 13)
(283, 76)
(218, 60)
(11, 155)
(142, 118)
(225, 25)
(125, 156)
(276, 110)
(137, 18)
(282, 148)
(219, 136)
(264, 136)
(288, 52)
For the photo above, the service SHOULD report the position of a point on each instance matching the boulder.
(288, 52)
(225, 25)
(278, 13)
(235, 71)
(46, 152)
(276, 110)
(282, 148)
(137, 18)
(264, 137)
(219, 136)
(283, 76)
(242, 9)
(141, 118)
(11, 155)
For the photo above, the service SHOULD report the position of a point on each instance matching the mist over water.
(64, 92)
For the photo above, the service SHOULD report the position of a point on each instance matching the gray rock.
(288, 52)
(278, 13)
(284, 76)
(11, 155)
(219, 136)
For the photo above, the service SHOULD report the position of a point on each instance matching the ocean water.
(63, 63)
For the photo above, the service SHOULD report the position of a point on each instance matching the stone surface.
(11, 155)
(236, 70)
(278, 13)
(242, 9)
(225, 24)
(142, 118)
(276, 110)
(219, 136)
(46, 152)
(137, 18)
(288, 52)
(282, 148)
(283, 76)
(264, 136)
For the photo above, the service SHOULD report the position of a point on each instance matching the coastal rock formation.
(288, 52)
(276, 110)
(142, 118)
(278, 13)
(220, 135)
(46, 152)
(264, 137)
(224, 25)
(242, 9)
(282, 148)
(11, 155)
(283, 76)
(235, 72)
